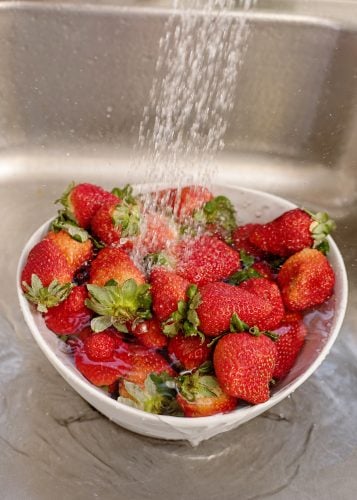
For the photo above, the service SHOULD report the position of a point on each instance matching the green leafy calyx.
(116, 304)
(320, 227)
(158, 395)
(185, 319)
(46, 297)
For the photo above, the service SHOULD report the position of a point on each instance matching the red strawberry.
(48, 263)
(149, 334)
(263, 269)
(71, 316)
(240, 239)
(191, 352)
(103, 358)
(115, 220)
(306, 279)
(167, 289)
(114, 263)
(81, 202)
(291, 232)
(159, 232)
(292, 333)
(268, 291)
(144, 363)
(192, 198)
(76, 252)
(202, 396)
(219, 301)
(206, 259)
(244, 365)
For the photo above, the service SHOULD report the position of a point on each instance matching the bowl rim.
(74, 378)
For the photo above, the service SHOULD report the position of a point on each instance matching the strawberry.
(217, 216)
(244, 365)
(48, 263)
(103, 358)
(306, 279)
(114, 263)
(205, 260)
(291, 232)
(81, 202)
(115, 220)
(182, 201)
(269, 292)
(264, 270)
(192, 198)
(76, 252)
(167, 289)
(148, 333)
(241, 241)
(201, 396)
(71, 316)
(292, 334)
(220, 301)
(191, 352)
(158, 233)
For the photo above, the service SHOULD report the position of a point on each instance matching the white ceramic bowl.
(251, 206)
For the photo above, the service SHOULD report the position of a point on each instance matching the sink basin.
(75, 77)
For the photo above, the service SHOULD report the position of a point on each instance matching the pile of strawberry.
(170, 305)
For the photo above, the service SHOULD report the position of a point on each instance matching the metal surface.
(73, 84)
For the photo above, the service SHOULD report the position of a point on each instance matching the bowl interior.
(323, 326)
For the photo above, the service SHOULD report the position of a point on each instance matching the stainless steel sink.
(74, 80)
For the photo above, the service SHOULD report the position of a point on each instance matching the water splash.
(193, 91)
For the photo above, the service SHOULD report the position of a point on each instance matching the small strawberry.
(244, 365)
(292, 334)
(71, 316)
(200, 395)
(292, 231)
(115, 220)
(241, 241)
(114, 263)
(306, 279)
(220, 301)
(81, 202)
(148, 333)
(269, 292)
(205, 260)
(76, 252)
(103, 358)
(191, 352)
(167, 289)
(118, 304)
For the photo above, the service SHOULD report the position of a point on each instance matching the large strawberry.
(191, 352)
(71, 316)
(241, 241)
(46, 278)
(220, 301)
(244, 365)
(291, 232)
(114, 263)
(205, 260)
(76, 252)
(306, 279)
(159, 232)
(103, 358)
(167, 289)
(200, 395)
(81, 202)
(291, 337)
